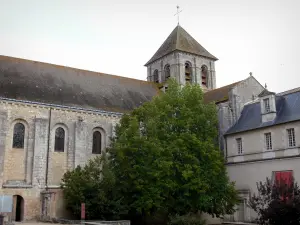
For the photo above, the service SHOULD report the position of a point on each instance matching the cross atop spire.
(178, 12)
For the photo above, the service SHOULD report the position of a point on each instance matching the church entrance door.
(18, 208)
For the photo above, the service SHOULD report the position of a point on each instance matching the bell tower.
(183, 58)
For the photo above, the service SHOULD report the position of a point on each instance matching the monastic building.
(53, 118)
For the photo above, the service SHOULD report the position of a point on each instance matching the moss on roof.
(47, 83)
(219, 94)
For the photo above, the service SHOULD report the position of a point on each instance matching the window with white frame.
(267, 105)
(291, 137)
(268, 140)
(239, 146)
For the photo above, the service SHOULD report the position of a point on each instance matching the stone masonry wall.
(23, 171)
(177, 61)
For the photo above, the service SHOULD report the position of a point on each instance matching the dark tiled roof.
(180, 40)
(287, 106)
(219, 94)
(47, 83)
(265, 92)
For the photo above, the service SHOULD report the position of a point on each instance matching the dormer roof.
(265, 92)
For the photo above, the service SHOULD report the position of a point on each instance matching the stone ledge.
(17, 186)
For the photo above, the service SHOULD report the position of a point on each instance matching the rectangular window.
(267, 105)
(239, 145)
(268, 140)
(291, 137)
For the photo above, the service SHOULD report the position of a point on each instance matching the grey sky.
(119, 37)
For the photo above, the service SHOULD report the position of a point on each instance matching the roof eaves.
(260, 127)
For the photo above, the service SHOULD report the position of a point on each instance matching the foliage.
(91, 185)
(189, 219)
(277, 204)
(166, 158)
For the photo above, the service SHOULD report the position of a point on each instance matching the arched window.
(155, 76)
(19, 135)
(167, 72)
(96, 142)
(204, 72)
(59, 145)
(188, 73)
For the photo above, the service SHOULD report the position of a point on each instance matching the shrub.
(277, 204)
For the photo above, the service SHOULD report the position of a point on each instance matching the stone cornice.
(60, 107)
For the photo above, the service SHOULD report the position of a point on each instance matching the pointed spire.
(265, 85)
(180, 40)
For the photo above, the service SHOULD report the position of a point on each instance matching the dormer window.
(267, 105)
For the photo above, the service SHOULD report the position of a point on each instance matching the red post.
(82, 211)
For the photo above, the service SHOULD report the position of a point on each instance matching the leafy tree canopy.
(164, 160)
(165, 156)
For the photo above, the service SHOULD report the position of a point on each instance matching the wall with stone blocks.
(23, 171)
(177, 61)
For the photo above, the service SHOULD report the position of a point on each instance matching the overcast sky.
(119, 37)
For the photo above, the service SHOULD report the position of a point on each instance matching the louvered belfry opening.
(204, 71)
(188, 73)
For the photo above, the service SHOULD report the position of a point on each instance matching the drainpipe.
(48, 148)
(225, 138)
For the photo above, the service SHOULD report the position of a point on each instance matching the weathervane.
(178, 13)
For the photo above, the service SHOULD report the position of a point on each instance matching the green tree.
(166, 159)
(92, 185)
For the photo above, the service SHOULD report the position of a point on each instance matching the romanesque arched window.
(19, 135)
(167, 72)
(59, 145)
(97, 142)
(204, 73)
(188, 72)
(155, 76)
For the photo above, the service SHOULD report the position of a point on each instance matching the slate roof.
(47, 83)
(180, 40)
(288, 110)
(219, 94)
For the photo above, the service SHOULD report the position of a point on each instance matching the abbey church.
(53, 118)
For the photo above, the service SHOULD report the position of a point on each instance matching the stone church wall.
(243, 93)
(177, 61)
(23, 171)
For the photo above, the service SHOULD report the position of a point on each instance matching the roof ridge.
(288, 91)
(177, 36)
(216, 89)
